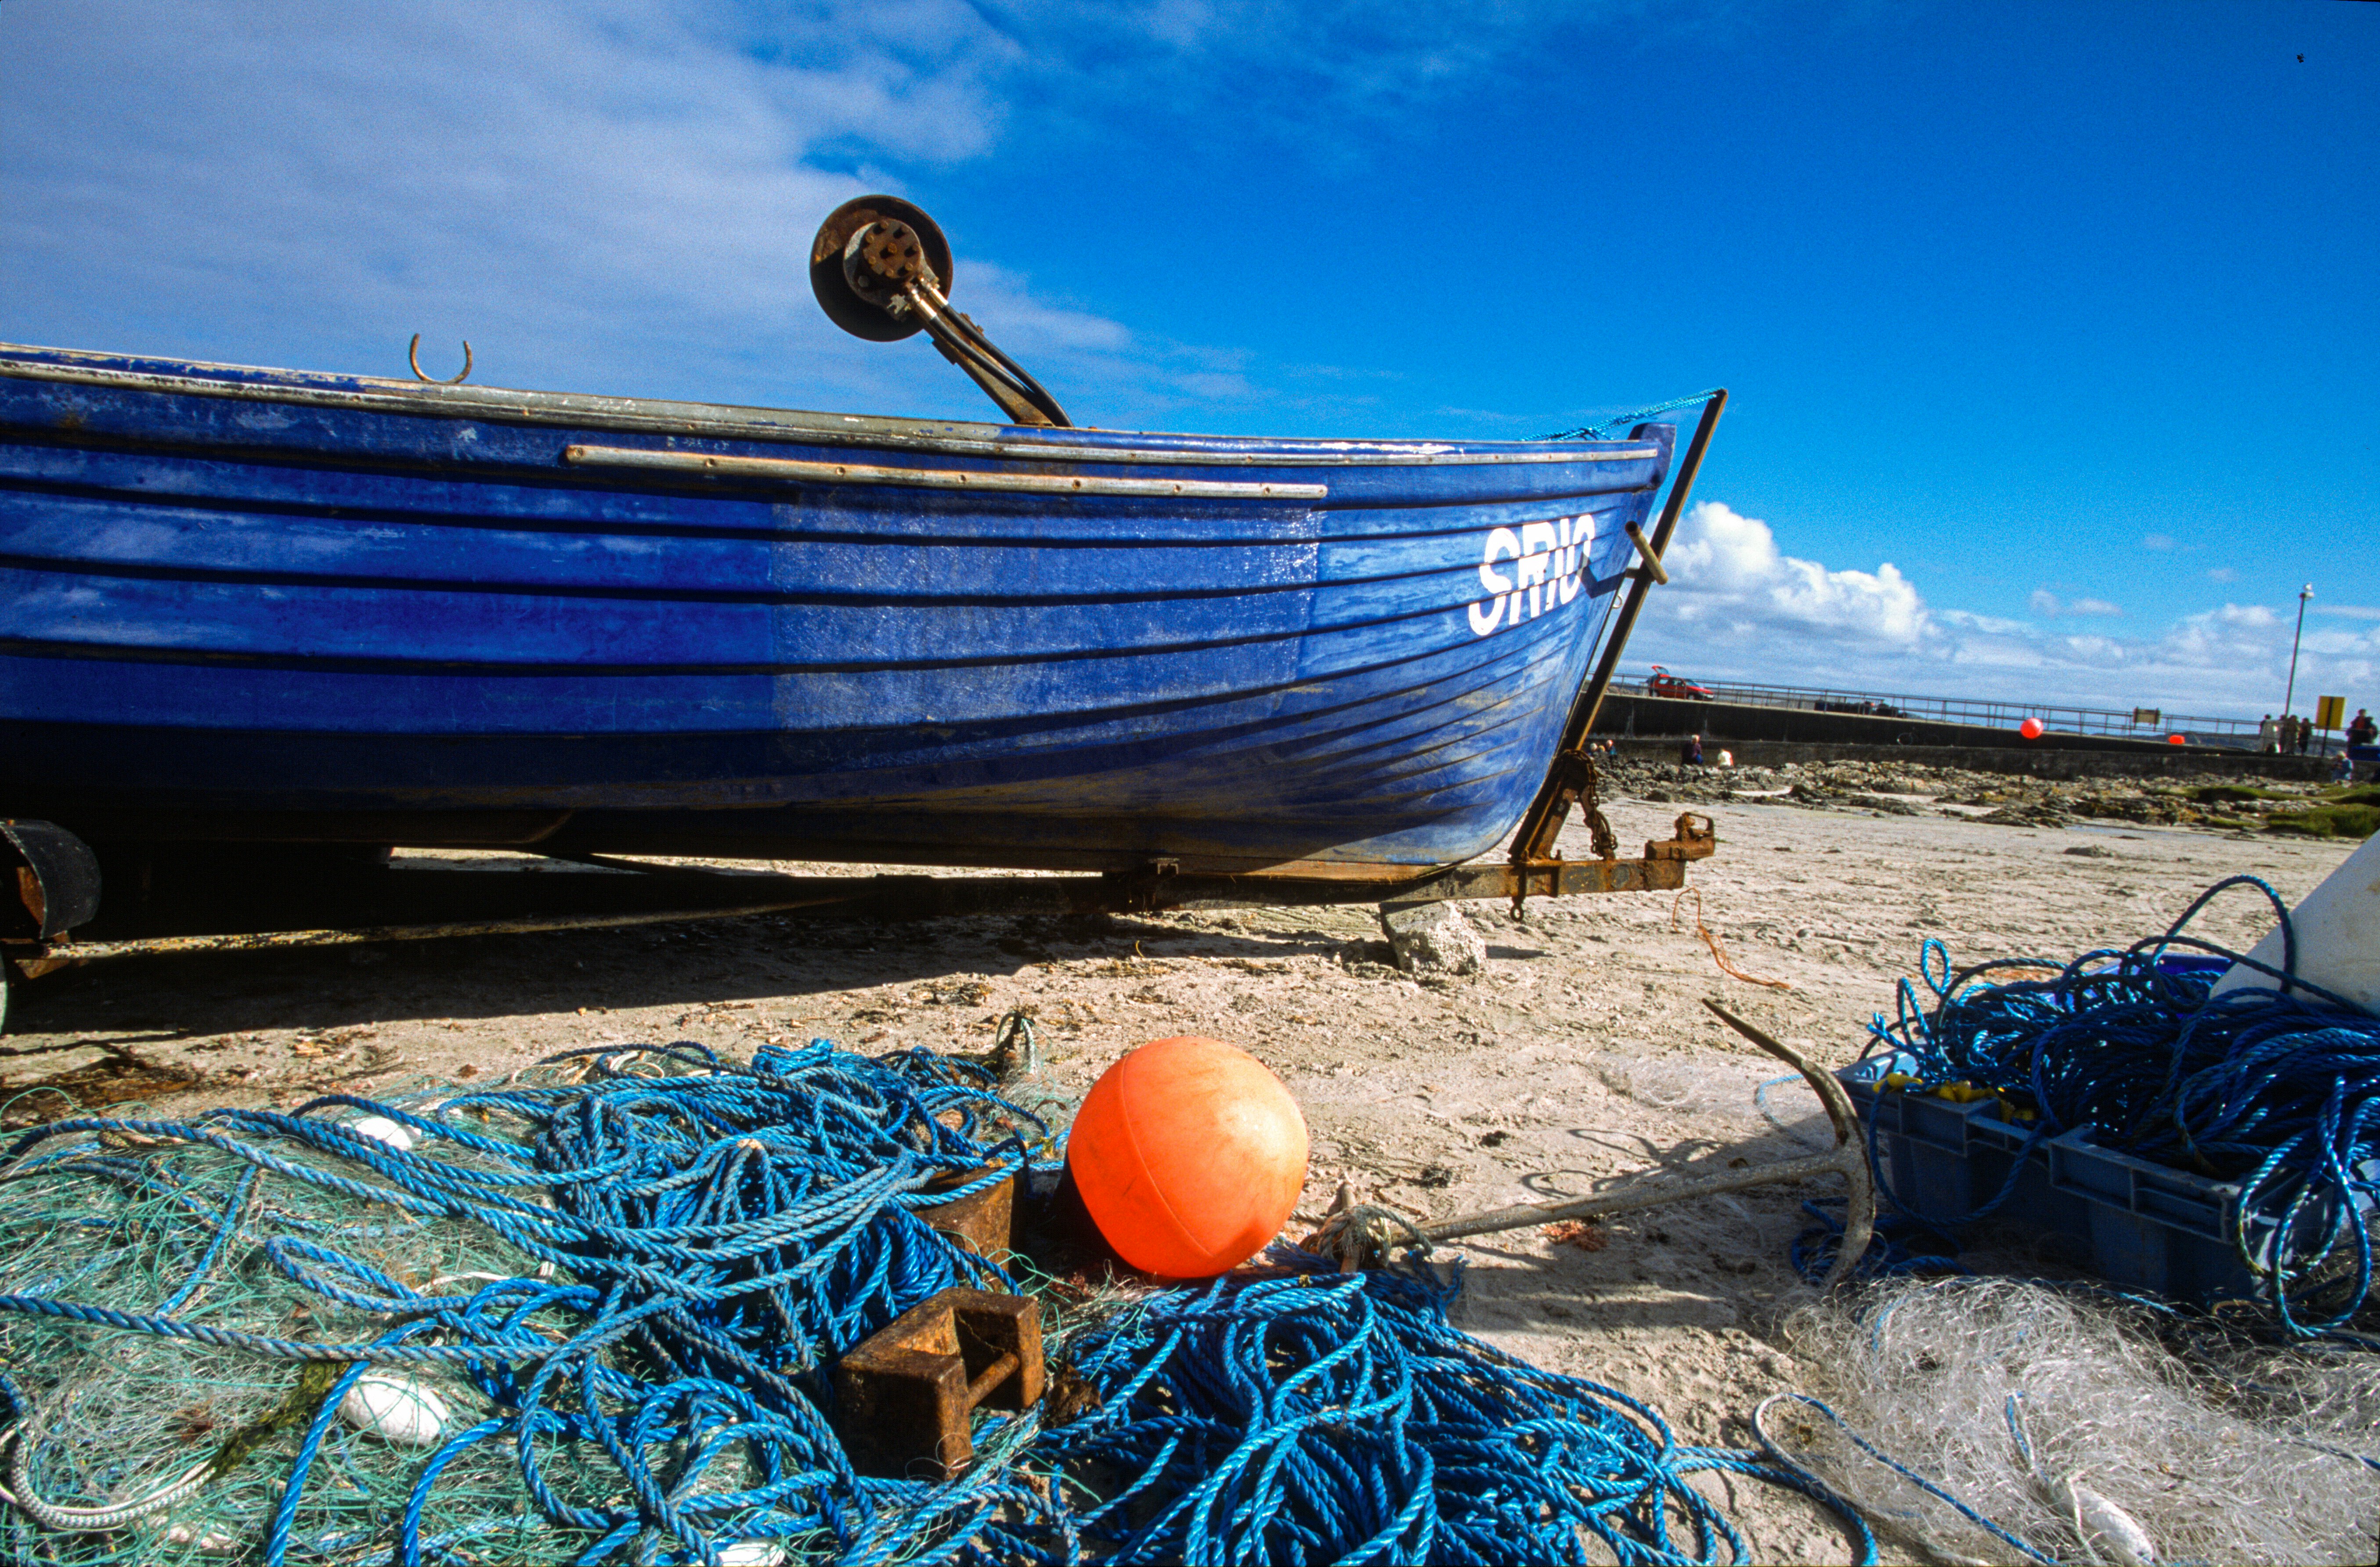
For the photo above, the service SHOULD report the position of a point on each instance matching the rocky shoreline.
(2243, 804)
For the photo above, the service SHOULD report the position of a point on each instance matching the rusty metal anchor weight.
(983, 1221)
(904, 1396)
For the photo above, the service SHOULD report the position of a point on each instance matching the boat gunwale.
(724, 421)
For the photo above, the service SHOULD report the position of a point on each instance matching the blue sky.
(2051, 328)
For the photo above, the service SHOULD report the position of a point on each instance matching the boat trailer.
(55, 882)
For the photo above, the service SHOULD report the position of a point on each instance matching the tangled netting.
(620, 1283)
(621, 1288)
(1990, 1419)
(2278, 1092)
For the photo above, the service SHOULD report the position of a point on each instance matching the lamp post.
(2291, 696)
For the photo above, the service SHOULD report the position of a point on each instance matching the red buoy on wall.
(2029, 728)
(1190, 1155)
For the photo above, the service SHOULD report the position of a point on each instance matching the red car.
(1664, 683)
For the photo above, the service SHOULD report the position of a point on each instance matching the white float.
(396, 1409)
(752, 1553)
(379, 1128)
(2339, 935)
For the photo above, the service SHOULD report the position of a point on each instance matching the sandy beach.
(1579, 1054)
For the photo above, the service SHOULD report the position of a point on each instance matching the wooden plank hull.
(245, 603)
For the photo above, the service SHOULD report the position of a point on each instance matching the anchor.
(1360, 1235)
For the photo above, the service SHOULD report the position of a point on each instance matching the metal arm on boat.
(882, 270)
(1571, 778)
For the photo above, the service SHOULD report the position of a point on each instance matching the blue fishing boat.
(261, 605)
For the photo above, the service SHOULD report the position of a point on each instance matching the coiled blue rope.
(1323, 1417)
(2275, 1087)
(720, 1236)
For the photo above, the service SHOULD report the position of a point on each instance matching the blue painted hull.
(246, 603)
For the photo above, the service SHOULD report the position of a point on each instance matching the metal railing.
(2129, 723)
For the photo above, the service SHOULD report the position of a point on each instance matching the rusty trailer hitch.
(1361, 1235)
(1570, 780)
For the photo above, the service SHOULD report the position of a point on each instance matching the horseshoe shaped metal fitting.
(413, 358)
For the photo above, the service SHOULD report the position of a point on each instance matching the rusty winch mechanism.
(882, 270)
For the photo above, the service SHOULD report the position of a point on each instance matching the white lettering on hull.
(1548, 563)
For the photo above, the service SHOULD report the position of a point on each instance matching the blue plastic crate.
(1946, 1160)
(2152, 1226)
(2147, 1226)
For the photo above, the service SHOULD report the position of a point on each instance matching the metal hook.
(413, 358)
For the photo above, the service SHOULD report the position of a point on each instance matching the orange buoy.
(1189, 1154)
(2177, 740)
(2029, 728)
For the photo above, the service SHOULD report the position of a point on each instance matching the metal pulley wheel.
(882, 270)
(865, 314)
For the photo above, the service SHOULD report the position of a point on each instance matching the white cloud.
(2352, 611)
(1739, 608)
(2224, 573)
(1742, 580)
(604, 195)
(2158, 541)
(600, 191)
(2048, 606)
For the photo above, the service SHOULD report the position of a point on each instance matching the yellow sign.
(2330, 713)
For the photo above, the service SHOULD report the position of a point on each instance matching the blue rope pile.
(1326, 1416)
(1604, 429)
(2275, 1087)
(709, 1241)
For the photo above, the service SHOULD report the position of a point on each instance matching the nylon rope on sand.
(622, 1280)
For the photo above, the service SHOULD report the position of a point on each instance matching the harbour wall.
(1649, 728)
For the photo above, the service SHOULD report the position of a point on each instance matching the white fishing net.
(2092, 1428)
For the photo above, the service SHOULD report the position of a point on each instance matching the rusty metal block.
(904, 1396)
(982, 1222)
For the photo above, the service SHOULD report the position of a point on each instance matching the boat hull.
(253, 604)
